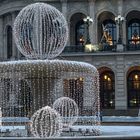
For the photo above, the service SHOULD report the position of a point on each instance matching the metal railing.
(101, 48)
(81, 49)
(133, 47)
(74, 49)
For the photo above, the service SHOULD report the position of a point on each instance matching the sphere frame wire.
(68, 110)
(46, 122)
(40, 31)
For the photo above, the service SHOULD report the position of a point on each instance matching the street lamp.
(88, 21)
(119, 20)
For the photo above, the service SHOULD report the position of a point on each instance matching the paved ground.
(113, 130)
(109, 132)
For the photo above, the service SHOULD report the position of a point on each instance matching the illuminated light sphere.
(68, 110)
(40, 31)
(46, 122)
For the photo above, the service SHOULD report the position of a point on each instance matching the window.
(80, 30)
(109, 32)
(134, 34)
(9, 42)
(133, 86)
(107, 89)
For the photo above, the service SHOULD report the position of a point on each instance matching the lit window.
(107, 89)
(80, 31)
(134, 32)
(135, 37)
(133, 85)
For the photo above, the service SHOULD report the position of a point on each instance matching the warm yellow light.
(108, 79)
(89, 48)
(105, 77)
(81, 40)
(136, 76)
(81, 79)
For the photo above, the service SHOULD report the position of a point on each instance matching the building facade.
(118, 62)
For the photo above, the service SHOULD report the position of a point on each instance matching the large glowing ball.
(40, 31)
(68, 110)
(46, 122)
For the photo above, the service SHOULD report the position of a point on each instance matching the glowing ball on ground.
(68, 110)
(46, 122)
(40, 31)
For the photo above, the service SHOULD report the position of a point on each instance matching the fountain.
(28, 87)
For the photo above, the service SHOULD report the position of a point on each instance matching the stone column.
(64, 8)
(120, 95)
(120, 47)
(124, 30)
(1, 39)
(64, 11)
(120, 7)
(120, 11)
(93, 26)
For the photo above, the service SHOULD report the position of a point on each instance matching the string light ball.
(40, 31)
(68, 110)
(46, 122)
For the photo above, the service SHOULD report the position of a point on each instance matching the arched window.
(77, 29)
(9, 42)
(133, 87)
(134, 33)
(80, 30)
(109, 32)
(107, 89)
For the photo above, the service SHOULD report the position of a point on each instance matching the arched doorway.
(107, 88)
(133, 87)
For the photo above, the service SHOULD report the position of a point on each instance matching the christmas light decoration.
(40, 31)
(46, 122)
(68, 110)
(28, 85)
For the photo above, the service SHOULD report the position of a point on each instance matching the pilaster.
(120, 96)
(92, 28)
(64, 11)
(64, 8)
